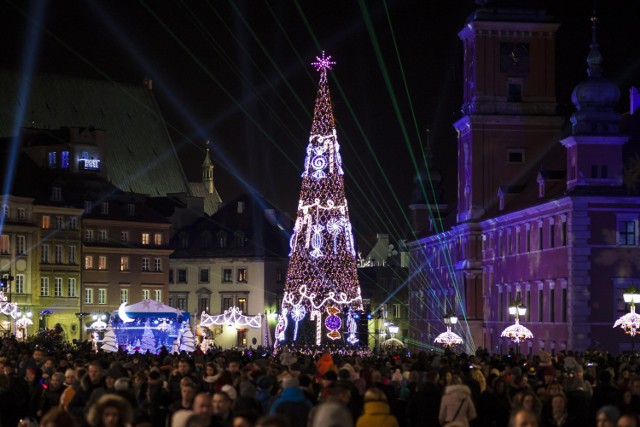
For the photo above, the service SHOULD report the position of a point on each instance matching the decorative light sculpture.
(630, 322)
(516, 332)
(6, 307)
(22, 324)
(449, 339)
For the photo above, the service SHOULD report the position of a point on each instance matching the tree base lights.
(517, 333)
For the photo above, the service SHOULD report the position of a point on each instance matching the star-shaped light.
(323, 63)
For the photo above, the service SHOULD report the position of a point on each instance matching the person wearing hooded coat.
(292, 404)
(456, 404)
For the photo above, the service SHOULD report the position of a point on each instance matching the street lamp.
(630, 322)
(516, 332)
(81, 315)
(449, 339)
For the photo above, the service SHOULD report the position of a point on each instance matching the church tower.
(509, 107)
(207, 172)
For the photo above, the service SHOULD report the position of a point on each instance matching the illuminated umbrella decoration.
(448, 339)
(630, 322)
(517, 333)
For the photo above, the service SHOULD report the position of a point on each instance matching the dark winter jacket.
(292, 405)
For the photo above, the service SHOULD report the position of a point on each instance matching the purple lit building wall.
(544, 213)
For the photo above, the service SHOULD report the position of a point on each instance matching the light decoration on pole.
(322, 269)
(630, 322)
(516, 332)
(231, 317)
(449, 339)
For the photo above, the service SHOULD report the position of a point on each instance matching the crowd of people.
(59, 387)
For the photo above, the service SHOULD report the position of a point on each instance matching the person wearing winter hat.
(456, 404)
(222, 408)
(231, 392)
(377, 412)
(292, 404)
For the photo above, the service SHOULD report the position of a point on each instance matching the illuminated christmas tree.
(109, 343)
(187, 341)
(148, 340)
(322, 292)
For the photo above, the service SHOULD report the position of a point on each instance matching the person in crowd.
(424, 405)
(35, 391)
(334, 411)
(188, 392)
(523, 417)
(70, 385)
(222, 409)
(110, 411)
(291, 404)
(457, 404)
(607, 416)
(629, 420)
(91, 381)
(271, 421)
(376, 411)
(495, 403)
(559, 415)
(182, 370)
(57, 417)
(51, 395)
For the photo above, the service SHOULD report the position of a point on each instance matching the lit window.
(64, 160)
(88, 262)
(145, 238)
(102, 296)
(44, 286)
(146, 294)
(72, 287)
(124, 296)
(242, 305)
(102, 262)
(158, 295)
(124, 263)
(145, 264)
(52, 160)
(5, 245)
(158, 264)
(57, 287)
(242, 275)
(88, 296)
(46, 221)
(157, 239)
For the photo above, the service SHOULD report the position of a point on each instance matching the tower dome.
(595, 98)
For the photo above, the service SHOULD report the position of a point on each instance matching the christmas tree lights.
(322, 283)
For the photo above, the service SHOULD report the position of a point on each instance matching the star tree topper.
(323, 63)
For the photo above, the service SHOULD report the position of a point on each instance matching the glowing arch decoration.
(232, 317)
(333, 323)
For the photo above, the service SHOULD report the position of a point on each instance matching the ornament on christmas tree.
(352, 327)
(322, 269)
(333, 322)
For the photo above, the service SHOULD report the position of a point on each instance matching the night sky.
(237, 73)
